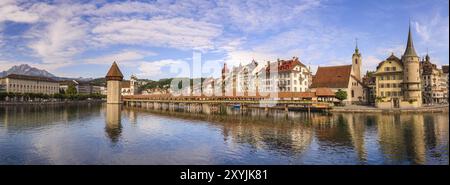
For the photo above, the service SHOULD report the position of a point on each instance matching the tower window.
(356, 61)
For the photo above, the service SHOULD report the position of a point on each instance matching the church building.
(345, 78)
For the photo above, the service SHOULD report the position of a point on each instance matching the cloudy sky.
(82, 38)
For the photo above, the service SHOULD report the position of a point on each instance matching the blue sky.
(82, 38)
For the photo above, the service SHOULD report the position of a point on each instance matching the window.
(388, 93)
(382, 93)
(353, 94)
(388, 85)
(394, 69)
(386, 68)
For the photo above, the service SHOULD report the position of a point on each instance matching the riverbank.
(370, 109)
(49, 102)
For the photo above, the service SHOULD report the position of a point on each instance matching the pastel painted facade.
(129, 87)
(434, 85)
(398, 81)
(14, 83)
(285, 76)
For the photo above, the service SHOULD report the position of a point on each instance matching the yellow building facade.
(398, 82)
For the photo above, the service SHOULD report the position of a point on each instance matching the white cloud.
(10, 11)
(256, 16)
(433, 30)
(123, 57)
(397, 49)
(6, 64)
(59, 42)
(174, 68)
(370, 63)
(180, 33)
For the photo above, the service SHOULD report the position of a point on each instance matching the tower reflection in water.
(113, 126)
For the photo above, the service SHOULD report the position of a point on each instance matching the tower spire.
(356, 46)
(410, 51)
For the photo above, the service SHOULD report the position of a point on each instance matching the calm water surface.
(98, 134)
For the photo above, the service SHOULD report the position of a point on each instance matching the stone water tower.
(113, 79)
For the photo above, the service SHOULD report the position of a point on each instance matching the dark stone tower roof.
(114, 73)
(410, 51)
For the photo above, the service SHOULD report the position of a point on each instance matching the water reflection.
(113, 127)
(82, 134)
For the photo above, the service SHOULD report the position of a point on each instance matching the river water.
(101, 134)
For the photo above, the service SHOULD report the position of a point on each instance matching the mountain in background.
(25, 69)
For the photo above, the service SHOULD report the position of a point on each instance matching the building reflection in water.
(113, 126)
(397, 138)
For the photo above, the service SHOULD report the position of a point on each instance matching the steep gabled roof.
(332, 77)
(410, 51)
(114, 73)
(282, 65)
(391, 58)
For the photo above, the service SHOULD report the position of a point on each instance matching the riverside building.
(15, 83)
(398, 81)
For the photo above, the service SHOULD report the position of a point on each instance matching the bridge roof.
(114, 72)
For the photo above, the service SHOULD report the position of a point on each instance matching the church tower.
(411, 73)
(113, 79)
(356, 62)
(133, 85)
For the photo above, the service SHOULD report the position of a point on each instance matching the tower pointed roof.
(410, 51)
(114, 73)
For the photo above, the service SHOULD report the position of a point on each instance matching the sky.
(160, 39)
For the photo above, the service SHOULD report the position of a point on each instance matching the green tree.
(341, 95)
(71, 90)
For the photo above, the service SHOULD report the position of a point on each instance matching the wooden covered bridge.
(307, 101)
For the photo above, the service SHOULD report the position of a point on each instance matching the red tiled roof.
(296, 94)
(125, 84)
(284, 65)
(332, 77)
(323, 91)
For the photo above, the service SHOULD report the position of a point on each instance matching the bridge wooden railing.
(300, 98)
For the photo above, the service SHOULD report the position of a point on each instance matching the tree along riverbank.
(39, 98)
(51, 102)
